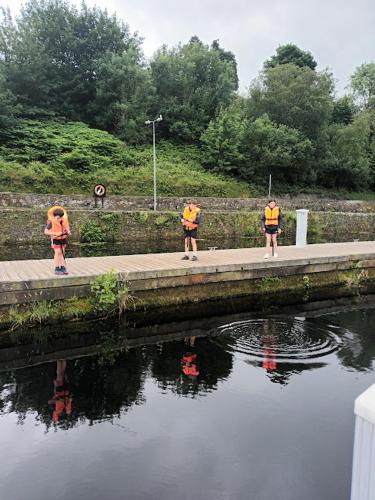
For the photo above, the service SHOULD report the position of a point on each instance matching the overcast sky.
(339, 33)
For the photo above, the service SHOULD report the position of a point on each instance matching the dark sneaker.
(185, 257)
(63, 270)
(58, 271)
(194, 257)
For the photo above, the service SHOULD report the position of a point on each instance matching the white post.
(301, 230)
(269, 186)
(154, 155)
(363, 477)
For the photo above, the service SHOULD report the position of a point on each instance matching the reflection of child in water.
(268, 342)
(62, 398)
(269, 360)
(188, 361)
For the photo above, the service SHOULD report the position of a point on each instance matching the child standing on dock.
(271, 221)
(190, 218)
(57, 228)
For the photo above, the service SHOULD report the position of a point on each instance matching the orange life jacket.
(58, 226)
(271, 216)
(190, 217)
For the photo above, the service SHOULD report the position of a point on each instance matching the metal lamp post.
(149, 122)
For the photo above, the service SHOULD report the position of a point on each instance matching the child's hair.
(271, 200)
(58, 212)
(192, 202)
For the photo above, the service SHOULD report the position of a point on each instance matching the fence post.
(301, 229)
(363, 476)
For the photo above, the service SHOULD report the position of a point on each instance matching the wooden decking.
(159, 264)
(30, 278)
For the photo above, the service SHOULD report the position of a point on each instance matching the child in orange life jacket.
(57, 228)
(271, 221)
(190, 218)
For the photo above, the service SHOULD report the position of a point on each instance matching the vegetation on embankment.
(70, 157)
(56, 156)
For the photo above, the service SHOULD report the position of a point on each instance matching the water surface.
(255, 409)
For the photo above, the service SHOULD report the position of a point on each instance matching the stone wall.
(26, 225)
(170, 203)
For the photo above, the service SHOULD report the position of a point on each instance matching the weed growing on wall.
(141, 217)
(110, 225)
(306, 287)
(104, 228)
(92, 232)
(110, 293)
(38, 313)
(166, 219)
(41, 311)
(268, 283)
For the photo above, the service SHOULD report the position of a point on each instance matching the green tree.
(363, 84)
(223, 141)
(124, 96)
(227, 55)
(25, 63)
(347, 165)
(8, 106)
(343, 110)
(297, 97)
(372, 161)
(192, 83)
(291, 54)
(53, 51)
(277, 149)
(370, 114)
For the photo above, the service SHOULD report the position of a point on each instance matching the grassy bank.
(58, 157)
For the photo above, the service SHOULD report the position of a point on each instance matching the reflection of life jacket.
(58, 226)
(189, 368)
(269, 360)
(62, 401)
(271, 216)
(190, 217)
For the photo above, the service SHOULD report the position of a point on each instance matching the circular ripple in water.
(287, 341)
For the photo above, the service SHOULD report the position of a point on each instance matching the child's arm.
(280, 221)
(47, 229)
(262, 222)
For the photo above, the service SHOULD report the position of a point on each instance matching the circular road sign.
(100, 190)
